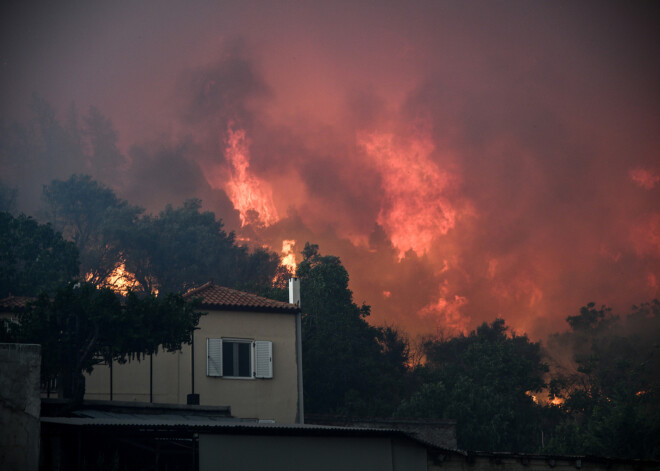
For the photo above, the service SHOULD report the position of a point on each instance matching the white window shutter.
(263, 359)
(213, 357)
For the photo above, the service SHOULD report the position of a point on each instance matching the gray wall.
(20, 405)
(439, 461)
(274, 453)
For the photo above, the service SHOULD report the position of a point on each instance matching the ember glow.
(465, 160)
(120, 280)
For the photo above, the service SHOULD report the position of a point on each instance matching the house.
(246, 354)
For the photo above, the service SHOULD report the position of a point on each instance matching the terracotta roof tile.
(227, 299)
(13, 302)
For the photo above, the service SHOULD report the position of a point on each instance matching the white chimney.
(294, 291)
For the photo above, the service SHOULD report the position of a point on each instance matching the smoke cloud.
(465, 160)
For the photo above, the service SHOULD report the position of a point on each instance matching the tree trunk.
(72, 387)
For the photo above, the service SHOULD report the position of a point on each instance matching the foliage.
(484, 381)
(92, 217)
(33, 257)
(349, 366)
(611, 400)
(83, 326)
(184, 247)
(171, 252)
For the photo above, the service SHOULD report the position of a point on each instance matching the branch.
(89, 346)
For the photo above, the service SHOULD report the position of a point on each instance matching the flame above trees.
(288, 258)
(415, 208)
(252, 197)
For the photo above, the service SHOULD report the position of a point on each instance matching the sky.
(465, 160)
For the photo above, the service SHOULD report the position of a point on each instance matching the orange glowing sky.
(466, 160)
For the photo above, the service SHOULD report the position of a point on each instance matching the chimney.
(294, 291)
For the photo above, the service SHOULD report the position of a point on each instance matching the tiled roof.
(227, 299)
(14, 302)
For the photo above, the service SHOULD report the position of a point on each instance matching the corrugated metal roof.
(157, 424)
(221, 298)
(218, 425)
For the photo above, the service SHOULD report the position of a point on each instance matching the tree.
(178, 249)
(611, 399)
(185, 247)
(94, 218)
(349, 366)
(181, 248)
(483, 380)
(82, 326)
(33, 257)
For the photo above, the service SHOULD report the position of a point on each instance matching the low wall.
(20, 405)
(448, 460)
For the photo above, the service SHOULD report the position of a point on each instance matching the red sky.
(464, 159)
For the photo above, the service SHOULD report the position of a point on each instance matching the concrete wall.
(20, 406)
(287, 453)
(439, 432)
(275, 399)
(512, 462)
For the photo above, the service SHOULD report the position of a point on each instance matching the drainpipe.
(294, 298)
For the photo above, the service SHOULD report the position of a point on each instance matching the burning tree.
(484, 381)
(94, 218)
(172, 251)
(611, 398)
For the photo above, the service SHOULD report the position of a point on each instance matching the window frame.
(215, 365)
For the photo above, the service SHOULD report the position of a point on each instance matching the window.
(236, 358)
(239, 358)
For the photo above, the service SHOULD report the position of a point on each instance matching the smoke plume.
(465, 160)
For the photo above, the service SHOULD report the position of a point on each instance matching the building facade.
(246, 354)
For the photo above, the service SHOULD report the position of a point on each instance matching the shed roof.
(14, 302)
(227, 299)
(219, 426)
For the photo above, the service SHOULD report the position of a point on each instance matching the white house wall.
(275, 399)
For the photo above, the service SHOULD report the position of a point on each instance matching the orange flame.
(252, 197)
(533, 396)
(447, 313)
(119, 280)
(557, 401)
(288, 255)
(414, 210)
